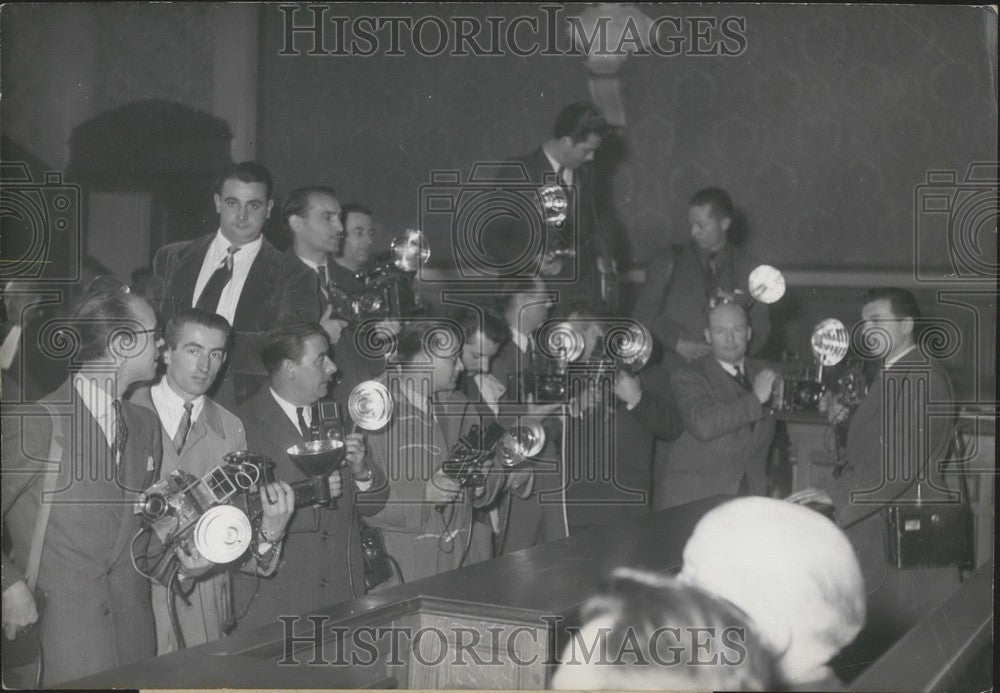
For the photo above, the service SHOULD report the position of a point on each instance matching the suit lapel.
(259, 286)
(188, 268)
(133, 475)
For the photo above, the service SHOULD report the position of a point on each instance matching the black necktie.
(714, 263)
(742, 378)
(182, 430)
(324, 298)
(209, 299)
(303, 426)
(121, 430)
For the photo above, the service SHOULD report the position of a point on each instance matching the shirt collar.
(290, 408)
(248, 250)
(730, 368)
(313, 265)
(897, 357)
(567, 172)
(175, 402)
(95, 398)
(519, 338)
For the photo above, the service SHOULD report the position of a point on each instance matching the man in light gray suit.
(197, 433)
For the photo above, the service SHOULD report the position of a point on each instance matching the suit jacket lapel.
(188, 268)
(259, 286)
(133, 475)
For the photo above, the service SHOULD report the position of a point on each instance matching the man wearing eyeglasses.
(236, 273)
(73, 465)
(197, 434)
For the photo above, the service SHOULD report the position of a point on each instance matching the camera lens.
(154, 507)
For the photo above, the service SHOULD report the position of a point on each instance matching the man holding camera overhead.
(722, 398)
(322, 562)
(197, 434)
(575, 250)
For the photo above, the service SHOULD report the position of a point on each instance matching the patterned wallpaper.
(821, 129)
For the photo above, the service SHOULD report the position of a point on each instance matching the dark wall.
(822, 129)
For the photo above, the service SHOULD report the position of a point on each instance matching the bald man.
(728, 426)
(792, 571)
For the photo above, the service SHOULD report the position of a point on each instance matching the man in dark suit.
(618, 417)
(356, 250)
(105, 450)
(314, 216)
(895, 444)
(483, 334)
(572, 250)
(236, 273)
(322, 563)
(680, 283)
(532, 520)
(728, 427)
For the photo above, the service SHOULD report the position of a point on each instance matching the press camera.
(214, 513)
(506, 447)
(829, 346)
(389, 288)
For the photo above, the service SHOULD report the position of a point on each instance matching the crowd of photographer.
(222, 477)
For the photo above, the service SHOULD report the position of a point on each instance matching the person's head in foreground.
(793, 572)
(646, 631)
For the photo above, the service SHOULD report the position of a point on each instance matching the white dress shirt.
(491, 389)
(170, 406)
(894, 359)
(289, 410)
(731, 368)
(567, 176)
(98, 403)
(242, 261)
(521, 340)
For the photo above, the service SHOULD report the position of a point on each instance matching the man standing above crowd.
(679, 285)
(197, 434)
(574, 253)
(312, 216)
(356, 249)
(728, 428)
(100, 453)
(236, 273)
(322, 563)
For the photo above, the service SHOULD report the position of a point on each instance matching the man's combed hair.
(287, 341)
(193, 316)
(99, 317)
(578, 121)
(297, 203)
(492, 325)
(903, 302)
(245, 172)
(718, 199)
(420, 339)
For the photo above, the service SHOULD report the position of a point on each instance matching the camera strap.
(49, 480)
